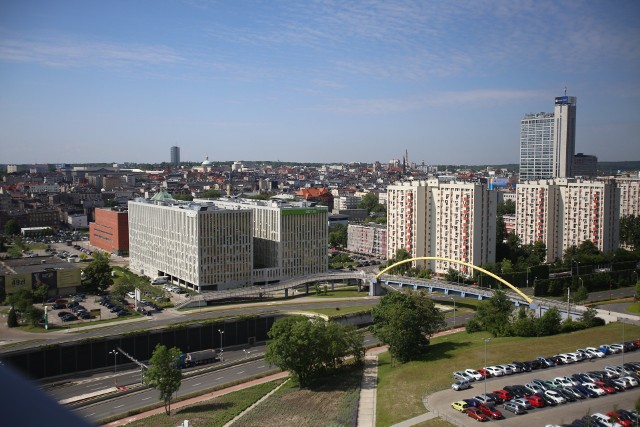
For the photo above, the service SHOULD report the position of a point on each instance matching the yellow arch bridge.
(431, 258)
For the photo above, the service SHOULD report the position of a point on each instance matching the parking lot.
(440, 402)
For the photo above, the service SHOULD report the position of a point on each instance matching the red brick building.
(110, 231)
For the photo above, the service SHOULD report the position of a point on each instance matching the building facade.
(585, 166)
(547, 142)
(629, 196)
(563, 213)
(175, 156)
(369, 239)
(455, 220)
(110, 231)
(200, 246)
(289, 239)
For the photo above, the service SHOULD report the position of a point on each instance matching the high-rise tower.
(547, 142)
(175, 156)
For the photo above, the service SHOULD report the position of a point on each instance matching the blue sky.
(311, 81)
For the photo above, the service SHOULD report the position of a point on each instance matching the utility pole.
(568, 303)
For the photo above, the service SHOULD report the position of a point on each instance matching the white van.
(160, 280)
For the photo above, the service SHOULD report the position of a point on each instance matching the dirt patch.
(333, 402)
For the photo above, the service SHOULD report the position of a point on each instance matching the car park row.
(540, 393)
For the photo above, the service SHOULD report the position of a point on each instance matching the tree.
(406, 322)
(97, 275)
(508, 207)
(369, 201)
(211, 194)
(12, 318)
(164, 374)
(185, 197)
(309, 347)
(549, 323)
(581, 294)
(11, 228)
(630, 231)
(401, 255)
(338, 235)
(41, 292)
(494, 314)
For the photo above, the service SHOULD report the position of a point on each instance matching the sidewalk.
(369, 389)
(198, 399)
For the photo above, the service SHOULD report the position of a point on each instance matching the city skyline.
(311, 82)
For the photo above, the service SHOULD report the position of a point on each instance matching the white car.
(494, 371)
(605, 420)
(473, 374)
(565, 359)
(595, 352)
(506, 369)
(618, 348)
(631, 380)
(585, 354)
(565, 381)
(555, 396)
(131, 294)
(594, 388)
(484, 398)
(575, 355)
(614, 370)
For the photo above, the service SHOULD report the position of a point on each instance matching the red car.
(477, 414)
(608, 389)
(504, 394)
(484, 373)
(490, 411)
(536, 401)
(620, 419)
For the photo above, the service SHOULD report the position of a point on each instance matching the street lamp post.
(221, 344)
(115, 366)
(486, 340)
(577, 267)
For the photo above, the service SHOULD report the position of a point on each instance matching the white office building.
(200, 246)
(547, 142)
(289, 239)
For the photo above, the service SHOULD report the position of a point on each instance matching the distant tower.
(547, 142)
(175, 156)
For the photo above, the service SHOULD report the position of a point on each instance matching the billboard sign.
(68, 278)
(562, 100)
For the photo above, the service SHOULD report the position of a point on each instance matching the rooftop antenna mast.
(565, 90)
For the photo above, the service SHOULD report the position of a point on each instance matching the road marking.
(196, 385)
(147, 398)
(93, 413)
(119, 406)
(241, 372)
(219, 378)
(260, 367)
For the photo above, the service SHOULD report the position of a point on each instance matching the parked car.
(460, 385)
(545, 362)
(536, 401)
(473, 374)
(61, 314)
(568, 396)
(494, 371)
(491, 411)
(69, 318)
(604, 420)
(477, 414)
(505, 395)
(596, 352)
(472, 403)
(523, 402)
(460, 405)
(497, 399)
(594, 388)
(515, 408)
(462, 376)
(554, 395)
(547, 400)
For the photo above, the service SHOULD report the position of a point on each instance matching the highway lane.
(146, 397)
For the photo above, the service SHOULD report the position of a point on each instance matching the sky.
(311, 81)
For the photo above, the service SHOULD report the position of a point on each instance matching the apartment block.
(200, 246)
(369, 239)
(591, 212)
(566, 212)
(629, 196)
(537, 215)
(110, 231)
(455, 220)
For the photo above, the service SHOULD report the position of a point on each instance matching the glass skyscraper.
(547, 142)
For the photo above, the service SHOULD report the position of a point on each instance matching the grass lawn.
(634, 308)
(341, 292)
(333, 402)
(342, 310)
(463, 350)
(214, 412)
